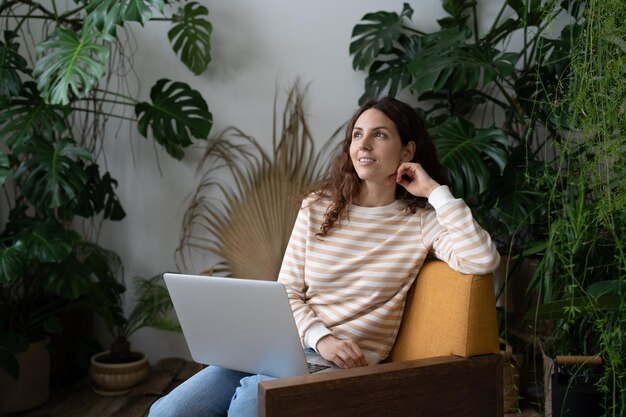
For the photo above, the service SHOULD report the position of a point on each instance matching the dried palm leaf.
(247, 218)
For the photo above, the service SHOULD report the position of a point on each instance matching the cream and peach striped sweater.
(353, 282)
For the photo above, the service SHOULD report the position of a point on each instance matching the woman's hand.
(343, 353)
(415, 180)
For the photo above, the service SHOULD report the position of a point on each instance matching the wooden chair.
(445, 361)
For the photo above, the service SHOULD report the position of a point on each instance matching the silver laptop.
(241, 324)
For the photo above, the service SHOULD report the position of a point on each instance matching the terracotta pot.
(114, 379)
(33, 386)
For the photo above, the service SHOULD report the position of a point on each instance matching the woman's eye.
(380, 135)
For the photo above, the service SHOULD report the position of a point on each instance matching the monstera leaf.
(10, 63)
(45, 241)
(390, 75)
(445, 60)
(465, 151)
(191, 37)
(176, 114)
(377, 34)
(51, 177)
(12, 262)
(69, 62)
(69, 279)
(27, 115)
(106, 15)
(99, 196)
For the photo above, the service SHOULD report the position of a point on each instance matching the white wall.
(258, 47)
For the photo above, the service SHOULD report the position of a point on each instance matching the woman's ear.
(408, 152)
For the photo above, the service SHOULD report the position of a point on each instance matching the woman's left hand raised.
(415, 180)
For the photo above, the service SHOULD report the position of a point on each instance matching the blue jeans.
(212, 392)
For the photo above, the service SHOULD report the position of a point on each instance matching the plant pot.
(572, 393)
(113, 379)
(33, 386)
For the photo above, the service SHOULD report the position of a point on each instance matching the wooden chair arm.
(434, 387)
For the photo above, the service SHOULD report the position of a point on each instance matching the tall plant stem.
(130, 99)
(117, 116)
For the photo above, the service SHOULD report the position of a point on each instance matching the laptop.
(241, 324)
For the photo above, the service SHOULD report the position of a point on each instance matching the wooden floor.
(81, 401)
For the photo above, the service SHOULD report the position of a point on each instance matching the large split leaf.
(27, 116)
(12, 262)
(70, 278)
(191, 36)
(46, 241)
(377, 33)
(177, 114)
(106, 15)
(68, 63)
(389, 75)
(99, 196)
(465, 151)
(446, 60)
(50, 177)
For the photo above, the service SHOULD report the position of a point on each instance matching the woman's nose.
(366, 143)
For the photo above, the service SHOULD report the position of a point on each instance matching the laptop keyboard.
(316, 367)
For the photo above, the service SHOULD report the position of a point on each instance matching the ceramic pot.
(33, 386)
(114, 379)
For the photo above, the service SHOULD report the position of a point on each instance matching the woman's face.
(376, 150)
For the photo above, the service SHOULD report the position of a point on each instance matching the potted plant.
(118, 369)
(53, 111)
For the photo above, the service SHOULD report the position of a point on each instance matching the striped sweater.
(353, 282)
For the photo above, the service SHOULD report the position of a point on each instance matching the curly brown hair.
(340, 184)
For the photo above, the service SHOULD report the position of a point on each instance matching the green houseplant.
(151, 308)
(581, 280)
(487, 106)
(57, 93)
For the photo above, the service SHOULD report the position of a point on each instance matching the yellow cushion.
(447, 313)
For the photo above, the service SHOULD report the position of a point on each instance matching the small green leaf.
(177, 114)
(69, 63)
(191, 37)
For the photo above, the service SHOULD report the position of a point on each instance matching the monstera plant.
(488, 105)
(62, 81)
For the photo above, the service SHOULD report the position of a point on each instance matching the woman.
(360, 238)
